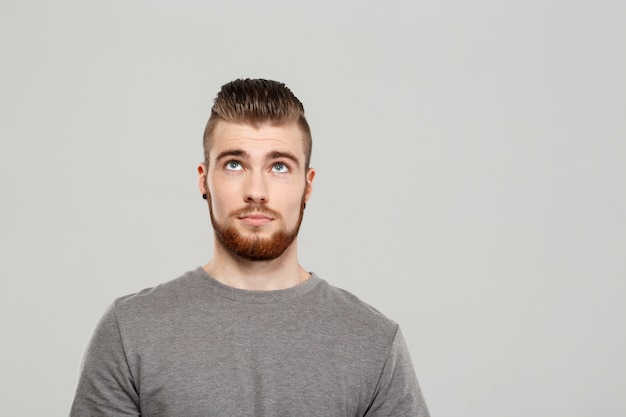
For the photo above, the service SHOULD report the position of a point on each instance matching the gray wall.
(471, 182)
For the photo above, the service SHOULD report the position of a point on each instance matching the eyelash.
(226, 165)
(286, 166)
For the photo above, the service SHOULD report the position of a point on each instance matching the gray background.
(471, 180)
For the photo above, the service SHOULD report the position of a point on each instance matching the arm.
(105, 385)
(398, 392)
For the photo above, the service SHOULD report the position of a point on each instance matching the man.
(251, 333)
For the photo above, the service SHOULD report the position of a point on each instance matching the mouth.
(255, 219)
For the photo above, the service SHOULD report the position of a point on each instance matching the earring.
(303, 206)
(204, 196)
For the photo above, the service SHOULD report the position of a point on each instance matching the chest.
(259, 364)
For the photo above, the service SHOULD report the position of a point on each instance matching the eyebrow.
(231, 152)
(287, 155)
(270, 156)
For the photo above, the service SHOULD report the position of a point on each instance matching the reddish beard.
(255, 248)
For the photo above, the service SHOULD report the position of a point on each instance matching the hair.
(254, 102)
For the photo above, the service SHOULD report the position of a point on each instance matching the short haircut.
(254, 102)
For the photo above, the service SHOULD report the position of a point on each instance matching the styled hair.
(254, 102)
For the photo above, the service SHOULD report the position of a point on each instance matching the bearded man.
(251, 333)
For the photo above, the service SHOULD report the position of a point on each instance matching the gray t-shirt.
(195, 347)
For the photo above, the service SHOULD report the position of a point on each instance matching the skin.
(256, 168)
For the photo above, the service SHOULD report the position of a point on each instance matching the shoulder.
(168, 294)
(351, 310)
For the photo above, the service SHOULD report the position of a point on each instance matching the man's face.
(257, 186)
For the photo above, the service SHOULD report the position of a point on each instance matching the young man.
(251, 333)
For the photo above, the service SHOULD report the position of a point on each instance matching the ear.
(310, 175)
(202, 173)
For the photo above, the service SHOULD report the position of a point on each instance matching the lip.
(255, 219)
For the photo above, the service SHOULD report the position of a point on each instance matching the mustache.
(244, 211)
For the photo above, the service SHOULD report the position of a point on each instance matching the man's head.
(254, 102)
(256, 175)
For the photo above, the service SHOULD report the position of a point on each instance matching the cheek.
(222, 201)
(292, 210)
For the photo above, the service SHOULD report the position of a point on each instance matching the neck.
(276, 274)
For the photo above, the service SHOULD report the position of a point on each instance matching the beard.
(255, 248)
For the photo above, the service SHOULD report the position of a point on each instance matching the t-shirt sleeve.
(398, 392)
(105, 385)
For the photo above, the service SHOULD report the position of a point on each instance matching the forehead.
(259, 139)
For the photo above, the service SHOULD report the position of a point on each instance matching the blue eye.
(233, 166)
(279, 167)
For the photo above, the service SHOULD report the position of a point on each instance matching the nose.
(256, 189)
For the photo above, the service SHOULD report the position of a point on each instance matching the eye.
(279, 167)
(233, 166)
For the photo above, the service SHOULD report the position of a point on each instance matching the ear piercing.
(204, 196)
